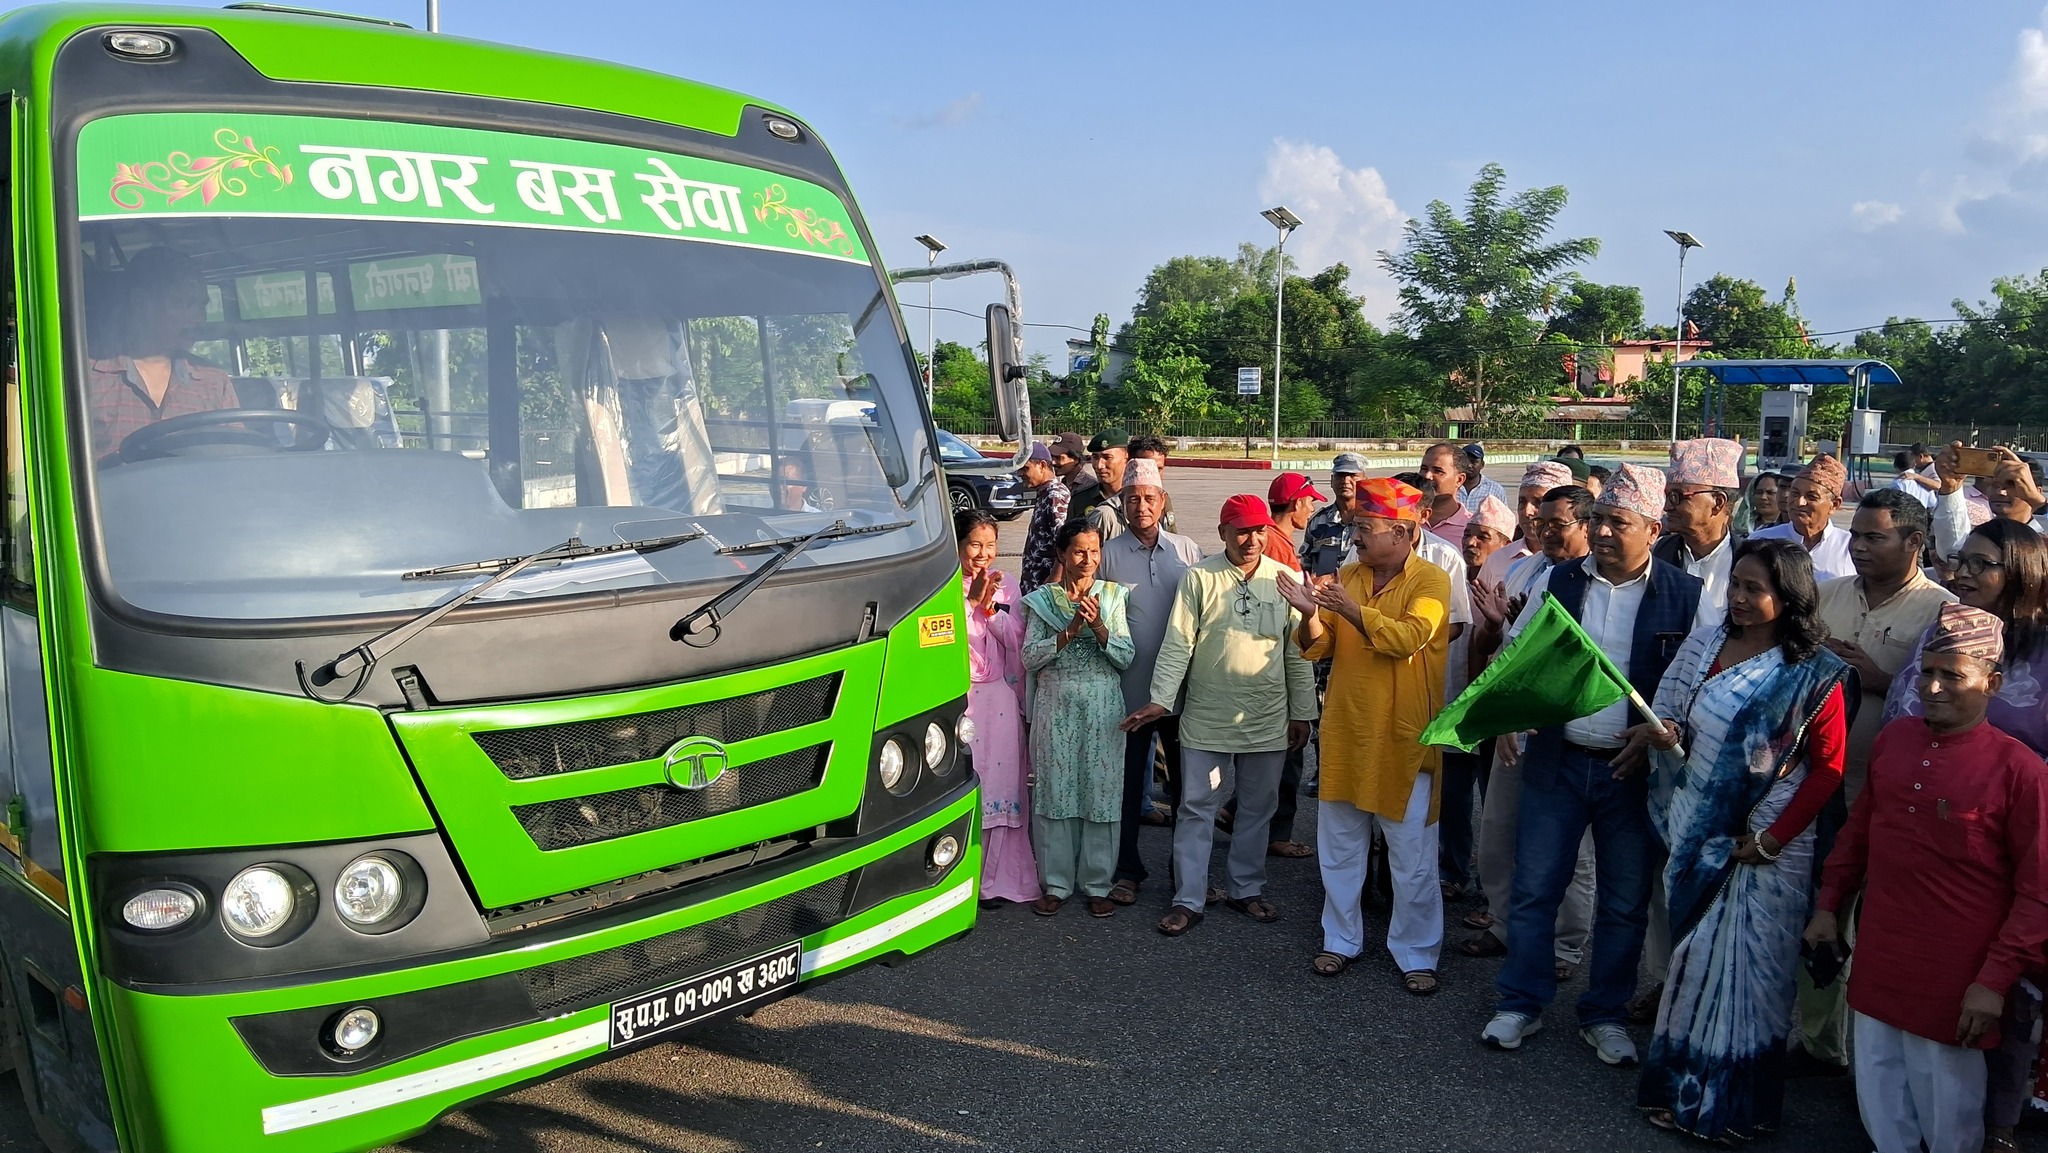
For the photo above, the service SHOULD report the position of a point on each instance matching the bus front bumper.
(204, 1081)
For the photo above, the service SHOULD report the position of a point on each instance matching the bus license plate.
(663, 1010)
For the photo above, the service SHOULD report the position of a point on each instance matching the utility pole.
(1286, 222)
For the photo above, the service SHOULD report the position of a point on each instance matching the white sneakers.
(1612, 1042)
(1507, 1030)
(1609, 1040)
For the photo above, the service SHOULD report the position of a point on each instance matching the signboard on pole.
(1248, 381)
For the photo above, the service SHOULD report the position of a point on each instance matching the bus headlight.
(889, 762)
(963, 731)
(258, 902)
(155, 910)
(369, 891)
(934, 745)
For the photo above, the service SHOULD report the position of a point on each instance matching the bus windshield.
(324, 356)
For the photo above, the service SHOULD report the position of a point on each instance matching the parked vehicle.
(977, 481)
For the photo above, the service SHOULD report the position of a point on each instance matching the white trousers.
(1415, 933)
(1912, 1091)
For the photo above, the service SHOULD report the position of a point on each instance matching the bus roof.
(309, 48)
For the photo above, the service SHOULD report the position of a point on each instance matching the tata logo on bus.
(693, 763)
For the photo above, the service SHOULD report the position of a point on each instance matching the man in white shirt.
(1537, 479)
(1700, 489)
(1816, 494)
(1916, 477)
(1590, 773)
(1477, 486)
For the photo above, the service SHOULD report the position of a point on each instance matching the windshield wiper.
(571, 549)
(701, 628)
(357, 663)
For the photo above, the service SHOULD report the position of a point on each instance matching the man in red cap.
(1292, 497)
(1230, 655)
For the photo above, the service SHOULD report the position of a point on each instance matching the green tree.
(1599, 314)
(1473, 287)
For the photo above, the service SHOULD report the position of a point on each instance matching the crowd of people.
(1810, 843)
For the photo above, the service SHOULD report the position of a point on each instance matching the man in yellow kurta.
(1383, 622)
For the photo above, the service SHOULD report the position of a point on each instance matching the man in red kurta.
(1946, 843)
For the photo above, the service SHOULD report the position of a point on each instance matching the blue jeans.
(1560, 798)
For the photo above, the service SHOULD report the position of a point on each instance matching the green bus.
(476, 592)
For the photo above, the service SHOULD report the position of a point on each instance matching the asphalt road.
(1070, 1034)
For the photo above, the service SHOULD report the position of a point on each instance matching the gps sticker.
(933, 631)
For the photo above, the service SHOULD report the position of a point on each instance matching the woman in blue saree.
(1756, 733)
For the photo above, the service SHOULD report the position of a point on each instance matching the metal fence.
(1334, 432)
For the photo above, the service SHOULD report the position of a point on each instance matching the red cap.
(1292, 486)
(1245, 511)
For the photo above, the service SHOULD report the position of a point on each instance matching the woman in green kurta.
(1076, 642)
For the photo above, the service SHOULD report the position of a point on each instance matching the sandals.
(1124, 892)
(1564, 970)
(1214, 896)
(1101, 907)
(1178, 920)
(1257, 908)
(1047, 905)
(1662, 1119)
(1292, 849)
(1483, 945)
(1481, 919)
(1420, 982)
(1327, 964)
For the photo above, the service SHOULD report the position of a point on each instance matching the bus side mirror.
(1006, 377)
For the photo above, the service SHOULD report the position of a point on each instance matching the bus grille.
(566, 824)
(546, 750)
(581, 982)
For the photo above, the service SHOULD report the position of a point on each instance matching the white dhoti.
(1415, 932)
(1912, 1091)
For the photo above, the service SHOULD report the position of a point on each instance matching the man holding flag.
(1628, 613)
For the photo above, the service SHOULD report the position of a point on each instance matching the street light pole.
(1286, 221)
(433, 15)
(1686, 241)
(932, 247)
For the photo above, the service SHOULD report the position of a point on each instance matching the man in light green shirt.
(1249, 697)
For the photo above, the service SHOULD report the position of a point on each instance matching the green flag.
(1553, 672)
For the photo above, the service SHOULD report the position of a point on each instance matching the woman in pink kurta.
(995, 644)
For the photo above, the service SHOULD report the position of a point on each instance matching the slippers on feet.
(1124, 892)
(1178, 920)
(1420, 982)
(1257, 908)
(1330, 964)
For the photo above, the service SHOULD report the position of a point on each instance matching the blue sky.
(1891, 155)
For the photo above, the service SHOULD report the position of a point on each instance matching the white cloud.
(1347, 215)
(945, 116)
(1870, 214)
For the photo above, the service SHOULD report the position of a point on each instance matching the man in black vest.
(1588, 773)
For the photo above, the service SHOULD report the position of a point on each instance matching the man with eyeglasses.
(1230, 653)
(1591, 773)
(1384, 624)
(1700, 489)
(1149, 561)
(1559, 527)
(1816, 494)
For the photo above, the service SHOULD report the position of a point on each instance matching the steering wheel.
(196, 432)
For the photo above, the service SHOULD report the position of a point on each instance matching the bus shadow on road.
(805, 1073)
